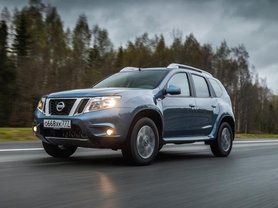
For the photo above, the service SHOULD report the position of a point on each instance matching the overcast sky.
(253, 23)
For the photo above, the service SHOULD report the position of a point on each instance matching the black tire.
(222, 145)
(59, 151)
(142, 146)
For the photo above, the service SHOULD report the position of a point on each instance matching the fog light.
(35, 128)
(109, 132)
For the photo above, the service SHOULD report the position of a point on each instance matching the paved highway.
(181, 176)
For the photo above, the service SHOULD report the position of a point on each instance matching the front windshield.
(145, 79)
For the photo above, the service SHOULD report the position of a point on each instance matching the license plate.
(50, 123)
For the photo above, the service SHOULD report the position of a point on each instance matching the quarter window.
(216, 87)
(180, 80)
(201, 86)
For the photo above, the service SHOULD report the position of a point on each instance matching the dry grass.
(256, 136)
(16, 134)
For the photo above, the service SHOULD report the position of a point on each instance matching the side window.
(201, 86)
(180, 80)
(216, 87)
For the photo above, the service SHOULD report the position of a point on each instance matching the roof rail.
(181, 66)
(130, 68)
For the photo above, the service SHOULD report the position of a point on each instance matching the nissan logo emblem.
(60, 106)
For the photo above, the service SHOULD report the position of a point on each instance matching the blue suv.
(138, 110)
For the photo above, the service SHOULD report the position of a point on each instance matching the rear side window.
(180, 80)
(201, 86)
(216, 87)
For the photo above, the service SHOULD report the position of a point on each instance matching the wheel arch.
(151, 113)
(230, 120)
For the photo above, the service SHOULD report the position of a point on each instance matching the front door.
(179, 110)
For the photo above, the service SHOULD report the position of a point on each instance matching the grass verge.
(16, 134)
(256, 136)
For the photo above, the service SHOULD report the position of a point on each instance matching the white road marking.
(256, 141)
(26, 149)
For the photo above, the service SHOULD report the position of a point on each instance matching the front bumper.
(88, 129)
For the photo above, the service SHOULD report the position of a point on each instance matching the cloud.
(270, 73)
(248, 22)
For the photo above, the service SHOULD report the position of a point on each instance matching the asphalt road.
(181, 176)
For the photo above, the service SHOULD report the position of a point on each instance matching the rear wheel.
(59, 151)
(222, 145)
(142, 146)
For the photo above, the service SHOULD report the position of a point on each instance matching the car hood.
(91, 92)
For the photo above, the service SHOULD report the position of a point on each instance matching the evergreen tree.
(81, 39)
(120, 58)
(101, 55)
(7, 77)
(22, 41)
(176, 49)
(55, 54)
(192, 51)
(161, 53)
(101, 41)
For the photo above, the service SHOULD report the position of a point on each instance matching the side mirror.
(173, 90)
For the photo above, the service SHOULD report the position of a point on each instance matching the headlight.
(41, 104)
(101, 103)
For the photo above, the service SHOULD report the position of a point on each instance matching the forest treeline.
(38, 55)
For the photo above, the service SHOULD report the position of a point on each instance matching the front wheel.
(59, 151)
(222, 145)
(142, 146)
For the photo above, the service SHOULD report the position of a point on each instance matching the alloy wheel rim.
(145, 141)
(226, 139)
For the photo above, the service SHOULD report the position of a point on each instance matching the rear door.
(179, 110)
(206, 105)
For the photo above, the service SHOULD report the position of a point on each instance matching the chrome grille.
(82, 105)
(60, 106)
